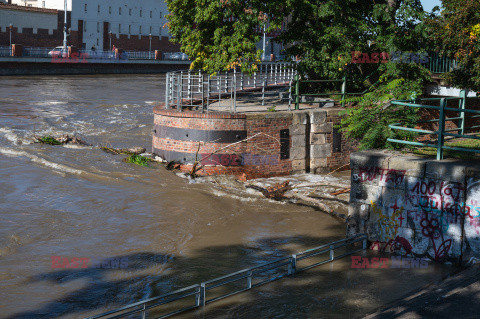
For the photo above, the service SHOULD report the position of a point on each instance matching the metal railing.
(198, 89)
(248, 278)
(464, 114)
(36, 52)
(440, 64)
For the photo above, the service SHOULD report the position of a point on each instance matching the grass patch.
(138, 160)
(47, 139)
(464, 143)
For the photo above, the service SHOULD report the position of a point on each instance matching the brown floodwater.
(80, 202)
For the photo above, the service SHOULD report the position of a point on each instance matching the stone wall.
(415, 205)
(317, 145)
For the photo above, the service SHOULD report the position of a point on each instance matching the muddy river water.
(167, 233)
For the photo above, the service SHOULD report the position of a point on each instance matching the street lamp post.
(11, 26)
(65, 28)
(150, 48)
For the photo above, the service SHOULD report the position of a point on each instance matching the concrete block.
(299, 118)
(318, 117)
(298, 153)
(322, 128)
(369, 159)
(298, 129)
(316, 163)
(298, 140)
(357, 211)
(447, 170)
(298, 165)
(320, 151)
(365, 194)
(318, 138)
(412, 165)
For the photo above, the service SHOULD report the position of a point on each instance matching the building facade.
(121, 23)
(130, 25)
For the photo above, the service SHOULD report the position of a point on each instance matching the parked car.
(59, 52)
(178, 56)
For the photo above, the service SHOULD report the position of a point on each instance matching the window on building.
(98, 27)
(119, 28)
(120, 11)
(129, 12)
(85, 26)
(150, 29)
(43, 4)
(160, 31)
(98, 42)
(161, 14)
(109, 10)
(98, 9)
(140, 30)
(140, 12)
(129, 29)
(151, 16)
(85, 7)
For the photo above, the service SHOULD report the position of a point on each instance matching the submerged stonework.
(416, 206)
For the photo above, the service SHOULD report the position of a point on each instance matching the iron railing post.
(249, 280)
(332, 252)
(292, 267)
(462, 106)
(235, 92)
(203, 292)
(198, 294)
(208, 90)
(441, 129)
(202, 79)
(297, 92)
(167, 90)
(143, 311)
(265, 79)
(344, 89)
(179, 92)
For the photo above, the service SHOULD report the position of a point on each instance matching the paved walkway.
(455, 297)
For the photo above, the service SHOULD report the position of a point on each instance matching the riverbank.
(10, 66)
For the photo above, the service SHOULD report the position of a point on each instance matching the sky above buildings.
(429, 4)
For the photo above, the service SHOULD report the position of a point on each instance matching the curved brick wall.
(179, 135)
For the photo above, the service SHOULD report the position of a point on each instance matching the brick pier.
(251, 144)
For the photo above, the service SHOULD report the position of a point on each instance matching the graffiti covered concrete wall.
(416, 206)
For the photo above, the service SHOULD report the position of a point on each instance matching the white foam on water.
(11, 136)
(57, 167)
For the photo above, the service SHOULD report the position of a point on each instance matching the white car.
(178, 56)
(59, 52)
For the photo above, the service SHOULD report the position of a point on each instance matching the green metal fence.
(342, 93)
(440, 64)
(463, 112)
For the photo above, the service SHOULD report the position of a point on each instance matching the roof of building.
(24, 8)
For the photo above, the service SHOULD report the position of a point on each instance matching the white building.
(97, 18)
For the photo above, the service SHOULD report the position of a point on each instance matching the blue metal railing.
(464, 114)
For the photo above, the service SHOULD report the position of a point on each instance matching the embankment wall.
(415, 205)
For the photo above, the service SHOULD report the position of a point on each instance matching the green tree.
(457, 33)
(221, 34)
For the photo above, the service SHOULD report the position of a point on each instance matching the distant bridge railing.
(187, 89)
(202, 294)
(463, 115)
